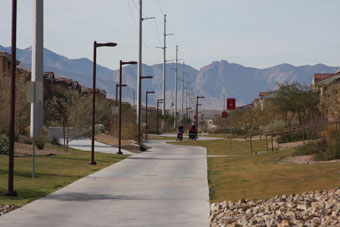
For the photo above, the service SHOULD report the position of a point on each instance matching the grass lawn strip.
(52, 173)
(255, 177)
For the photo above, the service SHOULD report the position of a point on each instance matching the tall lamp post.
(117, 85)
(196, 117)
(10, 191)
(158, 102)
(139, 105)
(95, 45)
(146, 113)
(120, 103)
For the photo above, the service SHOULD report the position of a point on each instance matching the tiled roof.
(321, 76)
(264, 94)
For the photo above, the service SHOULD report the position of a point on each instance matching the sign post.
(231, 105)
(224, 115)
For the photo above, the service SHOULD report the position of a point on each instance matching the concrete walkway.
(166, 186)
(84, 144)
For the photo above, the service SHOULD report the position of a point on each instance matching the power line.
(132, 16)
(160, 6)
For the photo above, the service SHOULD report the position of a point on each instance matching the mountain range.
(211, 81)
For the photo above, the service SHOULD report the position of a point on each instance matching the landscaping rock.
(6, 208)
(318, 208)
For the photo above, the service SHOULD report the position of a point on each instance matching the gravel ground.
(316, 208)
(6, 208)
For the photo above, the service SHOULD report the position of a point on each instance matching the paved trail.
(164, 187)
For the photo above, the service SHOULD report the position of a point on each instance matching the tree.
(294, 100)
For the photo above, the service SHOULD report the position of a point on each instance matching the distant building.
(5, 62)
(323, 80)
(265, 99)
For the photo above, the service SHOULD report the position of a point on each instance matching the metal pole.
(176, 75)
(139, 80)
(157, 118)
(164, 67)
(92, 162)
(117, 86)
(146, 116)
(182, 110)
(120, 110)
(10, 191)
(37, 108)
(231, 131)
(272, 142)
(251, 143)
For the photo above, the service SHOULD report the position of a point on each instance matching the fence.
(305, 131)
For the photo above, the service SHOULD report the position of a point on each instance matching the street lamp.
(196, 117)
(120, 102)
(139, 105)
(117, 85)
(95, 45)
(146, 113)
(10, 191)
(158, 102)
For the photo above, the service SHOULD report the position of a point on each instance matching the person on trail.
(180, 128)
(193, 128)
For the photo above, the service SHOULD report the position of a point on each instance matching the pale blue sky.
(256, 33)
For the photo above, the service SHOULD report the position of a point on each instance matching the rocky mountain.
(212, 81)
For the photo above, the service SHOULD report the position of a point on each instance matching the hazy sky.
(257, 33)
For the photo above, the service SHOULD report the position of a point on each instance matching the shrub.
(311, 148)
(331, 153)
(28, 141)
(142, 147)
(40, 142)
(4, 144)
(295, 136)
(323, 149)
(55, 141)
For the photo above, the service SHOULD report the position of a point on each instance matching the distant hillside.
(212, 81)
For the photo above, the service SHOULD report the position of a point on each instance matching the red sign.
(231, 104)
(196, 117)
(224, 114)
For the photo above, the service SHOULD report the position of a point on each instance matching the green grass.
(258, 176)
(52, 173)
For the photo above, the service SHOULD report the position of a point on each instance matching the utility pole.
(182, 110)
(37, 109)
(164, 66)
(140, 69)
(176, 75)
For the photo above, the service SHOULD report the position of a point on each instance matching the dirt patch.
(303, 160)
(129, 145)
(22, 149)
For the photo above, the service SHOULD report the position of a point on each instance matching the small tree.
(296, 100)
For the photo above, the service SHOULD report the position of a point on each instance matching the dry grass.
(258, 176)
(129, 145)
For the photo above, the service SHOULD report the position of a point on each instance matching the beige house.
(265, 99)
(5, 62)
(323, 80)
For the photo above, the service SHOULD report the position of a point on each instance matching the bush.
(4, 144)
(295, 136)
(331, 153)
(323, 149)
(152, 131)
(142, 147)
(311, 148)
(54, 141)
(40, 142)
